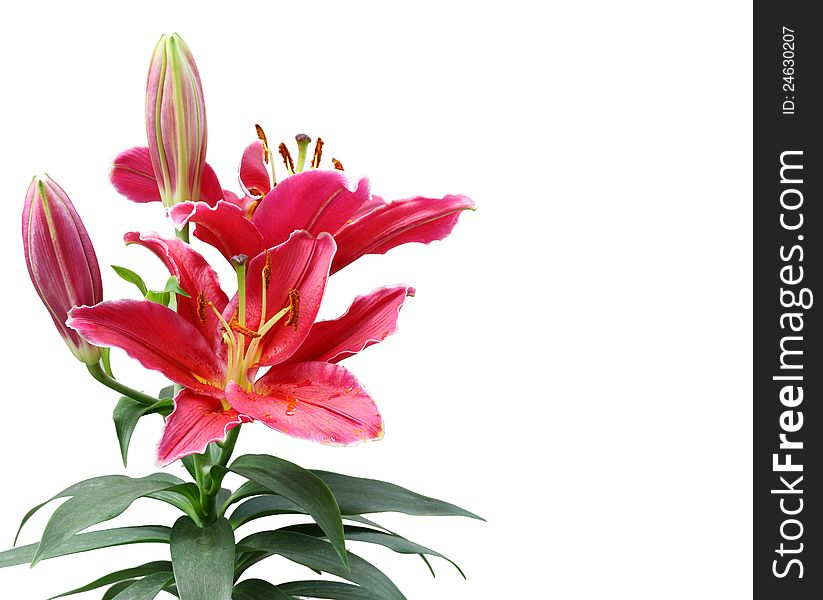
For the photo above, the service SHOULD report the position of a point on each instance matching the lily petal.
(298, 270)
(314, 401)
(315, 200)
(399, 222)
(254, 177)
(132, 175)
(159, 338)
(196, 277)
(370, 319)
(196, 422)
(223, 226)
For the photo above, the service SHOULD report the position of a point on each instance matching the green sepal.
(160, 566)
(301, 487)
(203, 559)
(94, 540)
(105, 360)
(319, 555)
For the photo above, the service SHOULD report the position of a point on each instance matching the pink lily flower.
(215, 347)
(315, 200)
(175, 121)
(61, 260)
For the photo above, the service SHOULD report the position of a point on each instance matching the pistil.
(302, 150)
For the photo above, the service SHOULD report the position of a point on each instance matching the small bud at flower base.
(61, 260)
(176, 121)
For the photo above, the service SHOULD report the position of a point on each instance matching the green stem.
(100, 375)
(183, 233)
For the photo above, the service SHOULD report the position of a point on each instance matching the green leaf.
(95, 501)
(160, 566)
(263, 506)
(173, 287)
(392, 541)
(117, 588)
(167, 392)
(105, 358)
(257, 589)
(131, 277)
(147, 588)
(327, 589)
(358, 496)
(319, 555)
(126, 415)
(159, 297)
(203, 559)
(94, 540)
(301, 487)
(185, 496)
(247, 490)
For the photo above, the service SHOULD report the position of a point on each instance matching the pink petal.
(223, 226)
(299, 265)
(315, 200)
(159, 338)
(132, 175)
(196, 422)
(314, 401)
(196, 277)
(370, 319)
(417, 219)
(254, 176)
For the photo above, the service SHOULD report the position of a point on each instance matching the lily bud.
(61, 260)
(175, 121)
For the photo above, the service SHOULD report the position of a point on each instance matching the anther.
(262, 136)
(284, 152)
(267, 271)
(201, 306)
(294, 309)
(237, 327)
(337, 164)
(318, 152)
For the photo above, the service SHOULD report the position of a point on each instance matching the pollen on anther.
(318, 152)
(237, 327)
(267, 271)
(201, 306)
(294, 309)
(287, 159)
(337, 164)
(262, 136)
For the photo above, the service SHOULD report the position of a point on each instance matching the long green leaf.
(147, 588)
(391, 541)
(319, 555)
(358, 496)
(247, 490)
(301, 487)
(117, 588)
(263, 506)
(160, 566)
(257, 589)
(327, 589)
(99, 500)
(93, 540)
(80, 488)
(203, 559)
(131, 277)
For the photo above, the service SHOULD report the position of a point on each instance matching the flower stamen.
(287, 160)
(337, 164)
(318, 152)
(201, 306)
(294, 309)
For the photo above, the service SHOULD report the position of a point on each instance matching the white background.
(576, 364)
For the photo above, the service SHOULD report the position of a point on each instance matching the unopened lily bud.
(61, 260)
(175, 121)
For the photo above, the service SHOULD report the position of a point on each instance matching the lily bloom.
(175, 121)
(60, 259)
(215, 347)
(316, 200)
